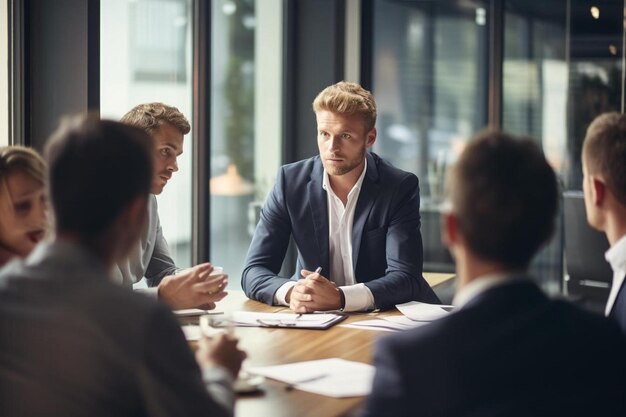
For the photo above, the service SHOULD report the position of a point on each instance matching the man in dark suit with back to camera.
(72, 343)
(354, 219)
(604, 187)
(507, 350)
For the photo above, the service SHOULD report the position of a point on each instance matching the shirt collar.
(616, 255)
(67, 254)
(479, 285)
(357, 186)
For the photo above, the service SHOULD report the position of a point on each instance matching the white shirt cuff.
(281, 293)
(358, 297)
(219, 384)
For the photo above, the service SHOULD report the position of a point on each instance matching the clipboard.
(312, 321)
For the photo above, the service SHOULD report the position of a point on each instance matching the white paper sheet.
(377, 324)
(386, 324)
(335, 377)
(187, 312)
(422, 311)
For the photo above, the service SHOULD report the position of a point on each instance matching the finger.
(209, 287)
(314, 276)
(206, 298)
(297, 296)
(308, 274)
(203, 269)
(301, 291)
(207, 306)
(300, 286)
(317, 278)
(297, 307)
(305, 308)
(213, 279)
(192, 274)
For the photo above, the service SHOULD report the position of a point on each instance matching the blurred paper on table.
(423, 311)
(290, 320)
(386, 324)
(335, 377)
(190, 312)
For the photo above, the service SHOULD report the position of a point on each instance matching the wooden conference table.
(273, 346)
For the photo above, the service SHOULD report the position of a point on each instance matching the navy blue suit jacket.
(509, 352)
(386, 238)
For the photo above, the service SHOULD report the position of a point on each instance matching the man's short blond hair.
(604, 152)
(349, 99)
(151, 116)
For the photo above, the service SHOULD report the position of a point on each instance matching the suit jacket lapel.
(318, 204)
(367, 196)
(620, 301)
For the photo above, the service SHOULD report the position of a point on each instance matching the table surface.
(273, 346)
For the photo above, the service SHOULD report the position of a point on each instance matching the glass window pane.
(430, 83)
(245, 122)
(146, 56)
(535, 79)
(560, 72)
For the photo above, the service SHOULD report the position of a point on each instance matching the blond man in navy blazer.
(353, 216)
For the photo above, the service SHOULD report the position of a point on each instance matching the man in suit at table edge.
(507, 350)
(179, 288)
(349, 212)
(73, 343)
(604, 187)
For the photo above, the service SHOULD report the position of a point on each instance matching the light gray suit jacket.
(72, 343)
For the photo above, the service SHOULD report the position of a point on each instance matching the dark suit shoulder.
(387, 168)
(554, 320)
(394, 180)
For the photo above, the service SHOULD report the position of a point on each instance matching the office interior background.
(246, 71)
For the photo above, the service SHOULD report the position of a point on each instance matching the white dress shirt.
(481, 284)
(616, 256)
(340, 220)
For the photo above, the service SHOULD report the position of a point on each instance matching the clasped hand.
(313, 293)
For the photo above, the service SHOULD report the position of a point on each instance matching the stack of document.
(335, 377)
(415, 314)
(290, 320)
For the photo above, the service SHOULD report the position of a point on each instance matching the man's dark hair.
(504, 194)
(96, 169)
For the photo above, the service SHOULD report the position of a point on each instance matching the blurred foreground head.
(98, 170)
(504, 198)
